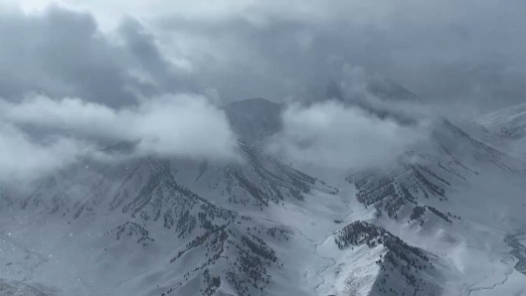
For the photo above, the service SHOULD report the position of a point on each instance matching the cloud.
(60, 52)
(442, 50)
(185, 126)
(116, 86)
(24, 159)
(115, 56)
(330, 135)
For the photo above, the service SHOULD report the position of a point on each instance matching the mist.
(40, 134)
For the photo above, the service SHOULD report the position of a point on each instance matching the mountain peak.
(254, 120)
(253, 102)
(386, 89)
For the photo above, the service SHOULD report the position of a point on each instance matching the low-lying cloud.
(67, 129)
(22, 158)
(332, 135)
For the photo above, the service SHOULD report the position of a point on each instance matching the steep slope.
(403, 269)
(505, 129)
(429, 172)
(159, 227)
(509, 122)
(449, 197)
(386, 89)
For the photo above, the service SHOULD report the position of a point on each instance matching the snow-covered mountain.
(255, 120)
(159, 227)
(447, 218)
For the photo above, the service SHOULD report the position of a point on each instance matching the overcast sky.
(113, 51)
(99, 67)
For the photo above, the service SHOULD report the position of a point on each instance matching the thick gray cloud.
(356, 131)
(468, 52)
(68, 90)
(121, 58)
(442, 50)
(60, 52)
(332, 136)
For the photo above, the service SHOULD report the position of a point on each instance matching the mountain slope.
(509, 122)
(446, 218)
(162, 227)
(449, 197)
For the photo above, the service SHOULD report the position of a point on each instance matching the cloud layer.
(78, 74)
(39, 134)
(60, 52)
(330, 135)
(23, 159)
(469, 52)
